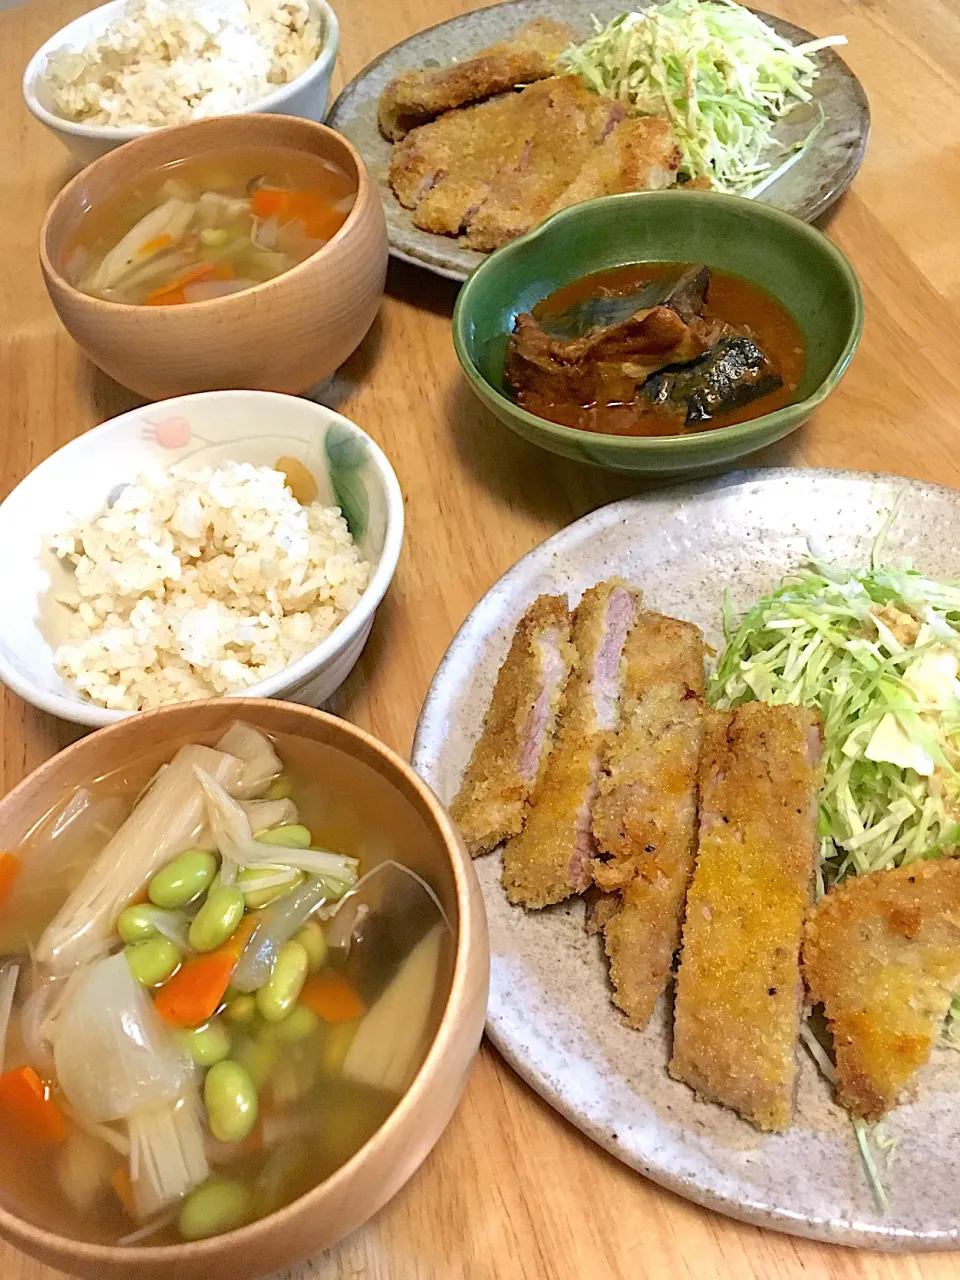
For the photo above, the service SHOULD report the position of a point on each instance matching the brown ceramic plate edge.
(799, 191)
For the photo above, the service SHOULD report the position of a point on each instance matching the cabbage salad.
(878, 651)
(720, 75)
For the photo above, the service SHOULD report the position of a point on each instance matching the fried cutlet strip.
(518, 729)
(738, 989)
(415, 97)
(881, 953)
(444, 170)
(645, 814)
(568, 123)
(548, 861)
(637, 155)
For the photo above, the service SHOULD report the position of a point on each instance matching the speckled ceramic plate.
(808, 188)
(550, 1012)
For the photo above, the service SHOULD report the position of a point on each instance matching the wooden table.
(512, 1192)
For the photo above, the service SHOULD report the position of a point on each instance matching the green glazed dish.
(793, 261)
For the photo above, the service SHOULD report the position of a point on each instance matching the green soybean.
(257, 898)
(292, 836)
(282, 989)
(240, 1010)
(313, 942)
(230, 1097)
(138, 923)
(216, 920)
(208, 1044)
(299, 1024)
(217, 1205)
(153, 961)
(183, 880)
(258, 1058)
(280, 788)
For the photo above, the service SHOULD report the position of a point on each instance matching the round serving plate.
(550, 1012)
(806, 189)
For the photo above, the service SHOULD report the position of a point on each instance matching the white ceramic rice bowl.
(307, 96)
(351, 471)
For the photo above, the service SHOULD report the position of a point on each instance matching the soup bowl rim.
(97, 19)
(687, 442)
(470, 933)
(68, 193)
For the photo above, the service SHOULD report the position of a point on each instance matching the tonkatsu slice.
(645, 815)
(881, 953)
(518, 729)
(738, 991)
(549, 860)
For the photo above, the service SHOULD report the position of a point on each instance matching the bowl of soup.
(659, 333)
(241, 252)
(243, 974)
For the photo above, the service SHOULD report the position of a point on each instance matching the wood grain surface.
(512, 1192)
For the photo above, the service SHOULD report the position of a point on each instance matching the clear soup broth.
(209, 226)
(325, 1070)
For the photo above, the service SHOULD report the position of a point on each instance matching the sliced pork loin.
(550, 860)
(519, 727)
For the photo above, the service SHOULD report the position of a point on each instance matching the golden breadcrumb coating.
(518, 728)
(881, 953)
(645, 815)
(548, 861)
(738, 990)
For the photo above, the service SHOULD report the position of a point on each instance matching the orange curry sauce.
(730, 298)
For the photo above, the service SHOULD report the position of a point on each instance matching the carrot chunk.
(172, 294)
(9, 869)
(25, 1105)
(332, 998)
(196, 990)
(320, 219)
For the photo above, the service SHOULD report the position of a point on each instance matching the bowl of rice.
(225, 543)
(133, 66)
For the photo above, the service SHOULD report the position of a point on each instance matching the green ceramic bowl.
(792, 260)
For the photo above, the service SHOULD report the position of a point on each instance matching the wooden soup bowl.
(422, 836)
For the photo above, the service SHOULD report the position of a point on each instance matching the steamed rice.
(200, 583)
(169, 61)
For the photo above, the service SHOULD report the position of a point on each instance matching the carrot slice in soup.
(332, 998)
(26, 1106)
(9, 869)
(196, 990)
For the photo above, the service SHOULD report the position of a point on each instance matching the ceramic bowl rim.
(80, 711)
(469, 936)
(767, 424)
(36, 68)
(234, 300)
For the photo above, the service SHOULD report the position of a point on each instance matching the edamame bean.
(220, 914)
(292, 836)
(217, 1205)
(282, 989)
(208, 1044)
(182, 880)
(299, 1024)
(153, 961)
(279, 789)
(240, 1010)
(313, 942)
(257, 898)
(258, 1058)
(137, 923)
(230, 1097)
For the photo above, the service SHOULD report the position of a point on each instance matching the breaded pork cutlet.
(530, 54)
(636, 155)
(645, 815)
(738, 990)
(518, 729)
(548, 861)
(881, 953)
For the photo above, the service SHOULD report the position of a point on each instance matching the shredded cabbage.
(720, 75)
(878, 651)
